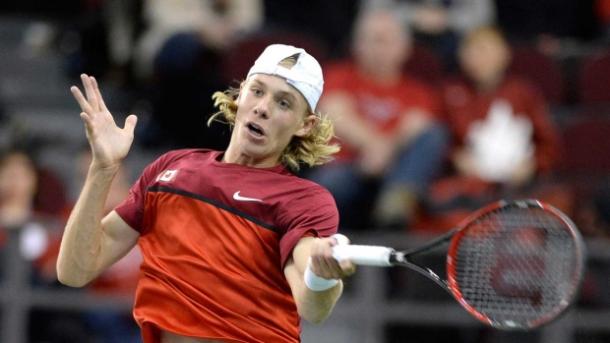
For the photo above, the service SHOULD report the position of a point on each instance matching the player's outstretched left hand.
(109, 143)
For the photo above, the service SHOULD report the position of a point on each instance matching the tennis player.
(236, 248)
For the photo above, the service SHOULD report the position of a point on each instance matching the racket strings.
(515, 266)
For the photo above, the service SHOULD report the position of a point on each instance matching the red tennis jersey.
(215, 238)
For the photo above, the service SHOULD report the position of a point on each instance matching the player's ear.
(309, 122)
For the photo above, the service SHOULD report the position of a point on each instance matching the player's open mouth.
(255, 129)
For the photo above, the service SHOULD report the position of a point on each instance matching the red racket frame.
(453, 284)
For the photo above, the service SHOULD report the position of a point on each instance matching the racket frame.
(453, 237)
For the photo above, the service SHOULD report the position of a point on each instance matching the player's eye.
(284, 104)
(256, 91)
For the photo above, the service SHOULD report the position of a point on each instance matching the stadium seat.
(594, 79)
(424, 64)
(586, 141)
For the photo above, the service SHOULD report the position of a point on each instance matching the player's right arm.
(91, 244)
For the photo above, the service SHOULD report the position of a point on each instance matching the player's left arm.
(316, 305)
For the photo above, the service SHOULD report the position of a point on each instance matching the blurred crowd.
(440, 106)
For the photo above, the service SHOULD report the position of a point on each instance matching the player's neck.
(235, 156)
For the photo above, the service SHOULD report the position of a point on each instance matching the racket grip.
(365, 255)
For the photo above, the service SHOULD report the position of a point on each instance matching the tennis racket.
(512, 264)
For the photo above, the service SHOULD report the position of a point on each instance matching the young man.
(385, 121)
(235, 247)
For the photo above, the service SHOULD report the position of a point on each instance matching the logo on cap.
(290, 61)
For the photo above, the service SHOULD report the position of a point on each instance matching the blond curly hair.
(311, 150)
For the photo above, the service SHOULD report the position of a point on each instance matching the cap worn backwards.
(305, 75)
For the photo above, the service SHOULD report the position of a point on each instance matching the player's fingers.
(322, 247)
(85, 117)
(98, 94)
(94, 95)
(340, 269)
(329, 268)
(323, 262)
(320, 267)
(89, 92)
(333, 265)
(87, 122)
(130, 123)
(340, 239)
(347, 268)
(334, 270)
(82, 102)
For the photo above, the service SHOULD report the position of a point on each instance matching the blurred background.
(441, 106)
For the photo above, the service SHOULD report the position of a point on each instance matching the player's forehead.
(276, 84)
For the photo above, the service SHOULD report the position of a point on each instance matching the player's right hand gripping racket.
(512, 265)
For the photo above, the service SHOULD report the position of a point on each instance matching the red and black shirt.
(215, 238)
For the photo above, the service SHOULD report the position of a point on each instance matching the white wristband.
(316, 283)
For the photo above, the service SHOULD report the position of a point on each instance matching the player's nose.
(262, 108)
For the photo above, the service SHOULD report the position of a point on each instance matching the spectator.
(50, 196)
(503, 133)
(180, 53)
(18, 190)
(32, 233)
(439, 24)
(18, 181)
(385, 121)
(210, 24)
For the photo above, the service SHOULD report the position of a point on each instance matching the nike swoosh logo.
(238, 197)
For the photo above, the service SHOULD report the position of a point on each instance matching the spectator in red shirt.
(385, 121)
(503, 134)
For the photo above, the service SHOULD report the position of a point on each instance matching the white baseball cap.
(305, 75)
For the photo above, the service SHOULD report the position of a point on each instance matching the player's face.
(269, 114)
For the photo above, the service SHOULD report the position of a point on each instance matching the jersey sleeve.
(313, 214)
(131, 209)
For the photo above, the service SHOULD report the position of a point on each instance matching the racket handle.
(365, 255)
